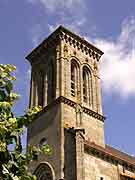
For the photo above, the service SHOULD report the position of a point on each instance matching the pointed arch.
(74, 78)
(51, 81)
(44, 172)
(87, 85)
(40, 88)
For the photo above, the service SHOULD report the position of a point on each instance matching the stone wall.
(82, 59)
(100, 169)
(51, 122)
(70, 156)
(48, 126)
(96, 169)
(94, 128)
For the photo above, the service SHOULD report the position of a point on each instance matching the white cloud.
(74, 25)
(118, 62)
(70, 13)
(53, 5)
(36, 33)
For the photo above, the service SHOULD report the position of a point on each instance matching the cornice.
(61, 33)
(84, 109)
(127, 176)
(102, 153)
(72, 104)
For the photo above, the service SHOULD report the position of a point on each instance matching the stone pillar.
(31, 91)
(68, 78)
(98, 90)
(57, 71)
(99, 96)
(34, 93)
(81, 85)
(79, 153)
(78, 111)
(62, 70)
(94, 94)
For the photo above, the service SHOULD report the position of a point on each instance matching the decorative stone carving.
(78, 111)
(58, 52)
(65, 50)
(69, 37)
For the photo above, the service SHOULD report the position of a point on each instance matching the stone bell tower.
(65, 82)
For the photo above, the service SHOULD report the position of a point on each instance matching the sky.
(110, 25)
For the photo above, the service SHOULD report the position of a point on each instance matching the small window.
(101, 178)
(42, 142)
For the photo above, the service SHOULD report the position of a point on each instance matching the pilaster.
(79, 136)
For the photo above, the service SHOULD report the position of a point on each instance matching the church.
(65, 81)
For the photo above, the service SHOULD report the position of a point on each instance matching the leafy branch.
(14, 164)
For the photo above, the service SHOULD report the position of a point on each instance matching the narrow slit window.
(41, 89)
(51, 82)
(84, 87)
(73, 79)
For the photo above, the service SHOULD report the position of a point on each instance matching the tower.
(65, 82)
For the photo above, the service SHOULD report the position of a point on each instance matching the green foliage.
(14, 165)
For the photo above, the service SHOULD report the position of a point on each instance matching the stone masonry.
(65, 81)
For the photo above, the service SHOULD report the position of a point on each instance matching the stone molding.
(127, 176)
(73, 104)
(84, 109)
(63, 34)
(102, 153)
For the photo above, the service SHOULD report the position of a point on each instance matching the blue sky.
(110, 25)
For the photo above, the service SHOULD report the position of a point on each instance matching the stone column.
(97, 88)
(34, 94)
(99, 97)
(45, 88)
(31, 90)
(68, 85)
(94, 93)
(62, 72)
(78, 111)
(57, 71)
(79, 153)
(81, 85)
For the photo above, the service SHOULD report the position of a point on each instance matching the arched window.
(74, 78)
(40, 88)
(51, 82)
(44, 172)
(87, 86)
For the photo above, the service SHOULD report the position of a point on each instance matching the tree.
(14, 164)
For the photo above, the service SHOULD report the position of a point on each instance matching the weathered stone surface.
(96, 168)
(66, 112)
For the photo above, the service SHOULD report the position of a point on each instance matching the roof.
(120, 154)
(58, 31)
(113, 153)
(82, 39)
